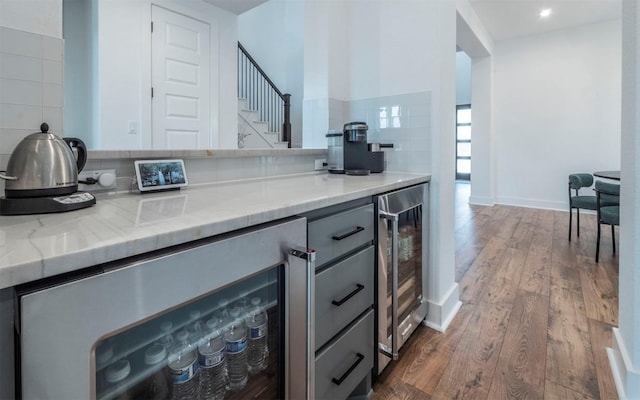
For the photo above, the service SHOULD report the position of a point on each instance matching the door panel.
(181, 67)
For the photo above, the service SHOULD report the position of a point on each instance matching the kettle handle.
(7, 177)
(82, 151)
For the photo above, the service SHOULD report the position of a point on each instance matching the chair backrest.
(612, 189)
(577, 181)
(607, 194)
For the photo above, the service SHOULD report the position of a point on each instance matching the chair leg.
(577, 222)
(613, 239)
(570, 218)
(598, 242)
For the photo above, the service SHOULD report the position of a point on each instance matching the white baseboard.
(626, 379)
(442, 313)
(533, 203)
(521, 202)
(481, 200)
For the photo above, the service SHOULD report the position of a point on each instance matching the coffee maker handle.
(82, 151)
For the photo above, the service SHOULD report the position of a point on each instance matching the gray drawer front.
(337, 283)
(325, 233)
(335, 361)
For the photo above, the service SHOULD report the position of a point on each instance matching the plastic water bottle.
(235, 338)
(213, 372)
(116, 376)
(183, 368)
(104, 356)
(156, 385)
(195, 328)
(257, 329)
(222, 313)
(243, 302)
(166, 338)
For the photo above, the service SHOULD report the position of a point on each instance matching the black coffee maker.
(356, 150)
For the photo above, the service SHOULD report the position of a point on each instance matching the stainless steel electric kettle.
(43, 164)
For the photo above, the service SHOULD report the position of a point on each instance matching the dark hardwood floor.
(536, 317)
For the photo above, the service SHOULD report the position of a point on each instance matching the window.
(463, 142)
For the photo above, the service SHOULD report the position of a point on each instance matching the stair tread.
(249, 117)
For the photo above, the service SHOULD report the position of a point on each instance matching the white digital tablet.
(156, 175)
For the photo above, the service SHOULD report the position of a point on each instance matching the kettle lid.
(43, 134)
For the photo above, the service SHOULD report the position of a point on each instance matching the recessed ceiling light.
(545, 13)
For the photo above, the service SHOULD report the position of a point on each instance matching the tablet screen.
(160, 174)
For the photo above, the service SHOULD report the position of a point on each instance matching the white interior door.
(180, 70)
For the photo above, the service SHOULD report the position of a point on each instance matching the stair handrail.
(283, 113)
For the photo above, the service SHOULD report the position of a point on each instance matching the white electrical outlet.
(105, 180)
(321, 164)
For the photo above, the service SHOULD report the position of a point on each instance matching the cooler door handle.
(308, 259)
(393, 354)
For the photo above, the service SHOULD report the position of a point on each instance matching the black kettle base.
(46, 205)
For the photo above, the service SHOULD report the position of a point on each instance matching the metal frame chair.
(607, 213)
(577, 201)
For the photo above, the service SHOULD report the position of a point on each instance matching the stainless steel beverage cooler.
(402, 261)
(70, 333)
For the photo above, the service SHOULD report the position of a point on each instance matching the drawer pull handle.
(347, 297)
(346, 235)
(349, 371)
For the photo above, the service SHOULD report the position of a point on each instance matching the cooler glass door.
(401, 273)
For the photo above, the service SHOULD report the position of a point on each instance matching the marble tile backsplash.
(224, 166)
(403, 120)
(31, 83)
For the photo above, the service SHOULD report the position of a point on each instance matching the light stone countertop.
(124, 225)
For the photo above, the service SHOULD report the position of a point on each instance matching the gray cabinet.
(341, 233)
(343, 292)
(342, 364)
(343, 238)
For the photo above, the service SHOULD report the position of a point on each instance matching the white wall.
(43, 17)
(124, 73)
(625, 355)
(473, 38)
(326, 66)
(463, 78)
(483, 160)
(557, 111)
(79, 36)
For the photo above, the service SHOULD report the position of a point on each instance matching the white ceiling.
(236, 6)
(507, 19)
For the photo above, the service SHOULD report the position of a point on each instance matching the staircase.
(254, 133)
(264, 120)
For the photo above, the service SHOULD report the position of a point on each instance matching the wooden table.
(615, 175)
